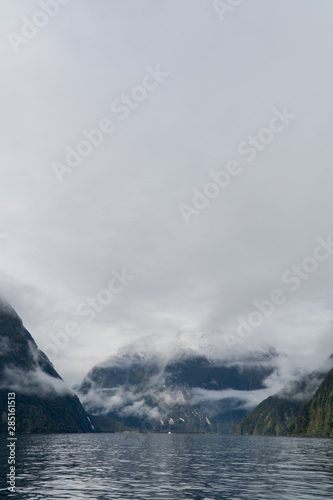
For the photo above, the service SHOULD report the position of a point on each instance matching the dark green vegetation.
(43, 403)
(54, 413)
(276, 415)
(271, 418)
(184, 394)
(316, 417)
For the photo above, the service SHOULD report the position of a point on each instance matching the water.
(170, 467)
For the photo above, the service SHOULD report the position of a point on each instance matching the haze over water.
(172, 467)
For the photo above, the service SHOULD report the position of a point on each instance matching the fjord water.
(171, 467)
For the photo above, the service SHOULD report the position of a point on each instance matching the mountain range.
(189, 392)
(143, 389)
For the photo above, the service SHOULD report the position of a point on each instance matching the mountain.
(43, 402)
(316, 417)
(271, 418)
(274, 415)
(187, 393)
(102, 423)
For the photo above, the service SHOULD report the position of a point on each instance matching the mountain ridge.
(316, 417)
(189, 392)
(275, 415)
(43, 402)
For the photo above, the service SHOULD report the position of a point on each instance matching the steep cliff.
(43, 402)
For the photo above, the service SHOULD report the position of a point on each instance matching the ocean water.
(169, 467)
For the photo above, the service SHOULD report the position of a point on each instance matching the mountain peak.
(45, 403)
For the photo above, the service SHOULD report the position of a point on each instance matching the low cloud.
(155, 396)
(245, 399)
(33, 382)
(125, 402)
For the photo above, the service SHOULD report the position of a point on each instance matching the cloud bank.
(119, 206)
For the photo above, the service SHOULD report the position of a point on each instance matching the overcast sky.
(201, 85)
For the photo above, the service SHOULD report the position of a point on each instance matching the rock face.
(271, 418)
(187, 393)
(316, 417)
(43, 402)
(276, 414)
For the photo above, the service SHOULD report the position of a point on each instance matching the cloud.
(124, 402)
(33, 382)
(155, 394)
(242, 399)
(120, 207)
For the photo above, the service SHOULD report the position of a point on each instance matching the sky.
(167, 175)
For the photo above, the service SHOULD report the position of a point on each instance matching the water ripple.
(171, 467)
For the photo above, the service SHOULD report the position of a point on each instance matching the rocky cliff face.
(43, 402)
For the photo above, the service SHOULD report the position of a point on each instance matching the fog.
(33, 382)
(203, 198)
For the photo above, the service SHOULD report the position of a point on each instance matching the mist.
(246, 101)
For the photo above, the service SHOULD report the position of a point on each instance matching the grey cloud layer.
(119, 207)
